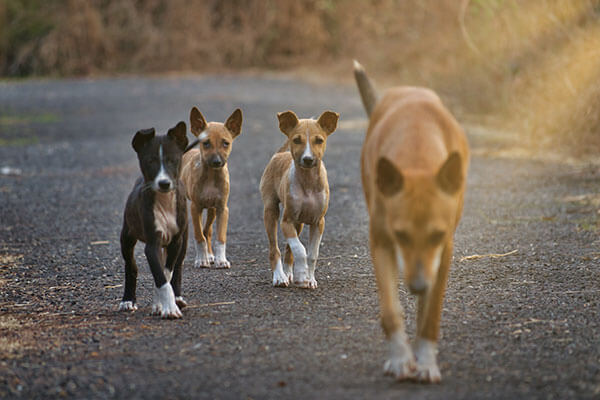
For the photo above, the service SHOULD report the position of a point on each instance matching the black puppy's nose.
(308, 160)
(164, 184)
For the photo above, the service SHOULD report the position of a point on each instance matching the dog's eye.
(403, 238)
(206, 144)
(436, 237)
(319, 140)
(297, 140)
(225, 143)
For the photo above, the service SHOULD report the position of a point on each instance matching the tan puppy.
(206, 178)
(414, 167)
(296, 178)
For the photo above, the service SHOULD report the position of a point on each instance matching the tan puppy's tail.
(367, 91)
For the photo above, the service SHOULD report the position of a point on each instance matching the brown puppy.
(414, 167)
(206, 178)
(296, 177)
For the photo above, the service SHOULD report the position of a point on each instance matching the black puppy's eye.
(206, 144)
(225, 143)
(403, 238)
(319, 140)
(436, 237)
(297, 140)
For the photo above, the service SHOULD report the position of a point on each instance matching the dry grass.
(533, 65)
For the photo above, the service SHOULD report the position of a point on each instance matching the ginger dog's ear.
(234, 123)
(328, 121)
(389, 180)
(287, 121)
(141, 138)
(197, 122)
(450, 176)
(178, 134)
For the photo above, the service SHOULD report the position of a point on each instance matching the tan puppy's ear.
(328, 121)
(197, 122)
(234, 123)
(450, 176)
(287, 121)
(141, 138)
(389, 179)
(178, 134)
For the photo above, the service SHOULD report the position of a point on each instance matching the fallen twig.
(113, 286)
(493, 255)
(220, 303)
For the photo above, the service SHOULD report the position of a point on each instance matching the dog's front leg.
(300, 274)
(164, 297)
(222, 219)
(177, 248)
(202, 260)
(211, 213)
(316, 233)
(131, 271)
(401, 361)
(428, 323)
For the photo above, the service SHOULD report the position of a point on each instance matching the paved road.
(526, 325)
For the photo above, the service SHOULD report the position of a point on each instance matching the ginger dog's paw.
(222, 263)
(280, 279)
(427, 368)
(203, 259)
(429, 373)
(181, 303)
(210, 258)
(312, 283)
(401, 368)
(127, 306)
(201, 262)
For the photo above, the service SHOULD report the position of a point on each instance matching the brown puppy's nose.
(308, 161)
(216, 162)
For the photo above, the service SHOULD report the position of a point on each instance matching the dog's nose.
(308, 161)
(164, 184)
(216, 162)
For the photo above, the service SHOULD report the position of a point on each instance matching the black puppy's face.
(160, 156)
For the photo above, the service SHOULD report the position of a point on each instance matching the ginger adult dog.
(296, 178)
(206, 178)
(414, 166)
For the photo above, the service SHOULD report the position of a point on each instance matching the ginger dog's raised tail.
(367, 91)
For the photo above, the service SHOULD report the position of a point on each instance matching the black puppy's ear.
(389, 179)
(287, 121)
(234, 123)
(197, 122)
(450, 176)
(328, 121)
(141, 138)
(178, 133)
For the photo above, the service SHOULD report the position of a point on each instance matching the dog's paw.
(280, 278)
(222, 263)
(210, 257)
(202, 255)
(181, 303)
(127, 306)
(164, 303)
(201, 262)
(156, 309)
(401, 368)
(427, 370)
(305, 284)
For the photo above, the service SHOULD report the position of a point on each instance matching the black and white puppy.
(156, 214)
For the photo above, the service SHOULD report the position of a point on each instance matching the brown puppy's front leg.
(200, 242)
(428, 323)
(220, 257)
(270, 216)
(401, 362)
(300, 274)
(316, 233)
(288, 258)
(211, 213)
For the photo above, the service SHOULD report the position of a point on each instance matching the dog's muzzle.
(308, 162)
(216, 162)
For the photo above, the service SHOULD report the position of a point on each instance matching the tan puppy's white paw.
(202, 256)
(427, 368)
(280, 278)
(220, 260)
(401, 364)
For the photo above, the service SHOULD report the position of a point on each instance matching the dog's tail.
(367, 91)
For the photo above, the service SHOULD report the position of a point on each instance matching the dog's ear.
(141, 138)
(234, 123)
(178, 134)
(450, 176)
(328, 121)
(287, 121)
(389, 179)
(197, 122)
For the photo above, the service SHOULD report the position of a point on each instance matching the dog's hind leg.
(200, 241)
(211, 213)
(131, 271)
(316, 233)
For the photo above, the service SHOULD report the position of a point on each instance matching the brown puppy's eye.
(206, 144)
(319, 140)
(225, 143)
(403, 238)
(436, 237)
(297, 140)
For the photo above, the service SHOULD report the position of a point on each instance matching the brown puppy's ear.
(178, 134)
(234, 123)
(450, 176)
(141, 138)
(287, 121)
(328, 121)
(197, 122)
(389, 179)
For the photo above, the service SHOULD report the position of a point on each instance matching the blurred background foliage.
(530, 65)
